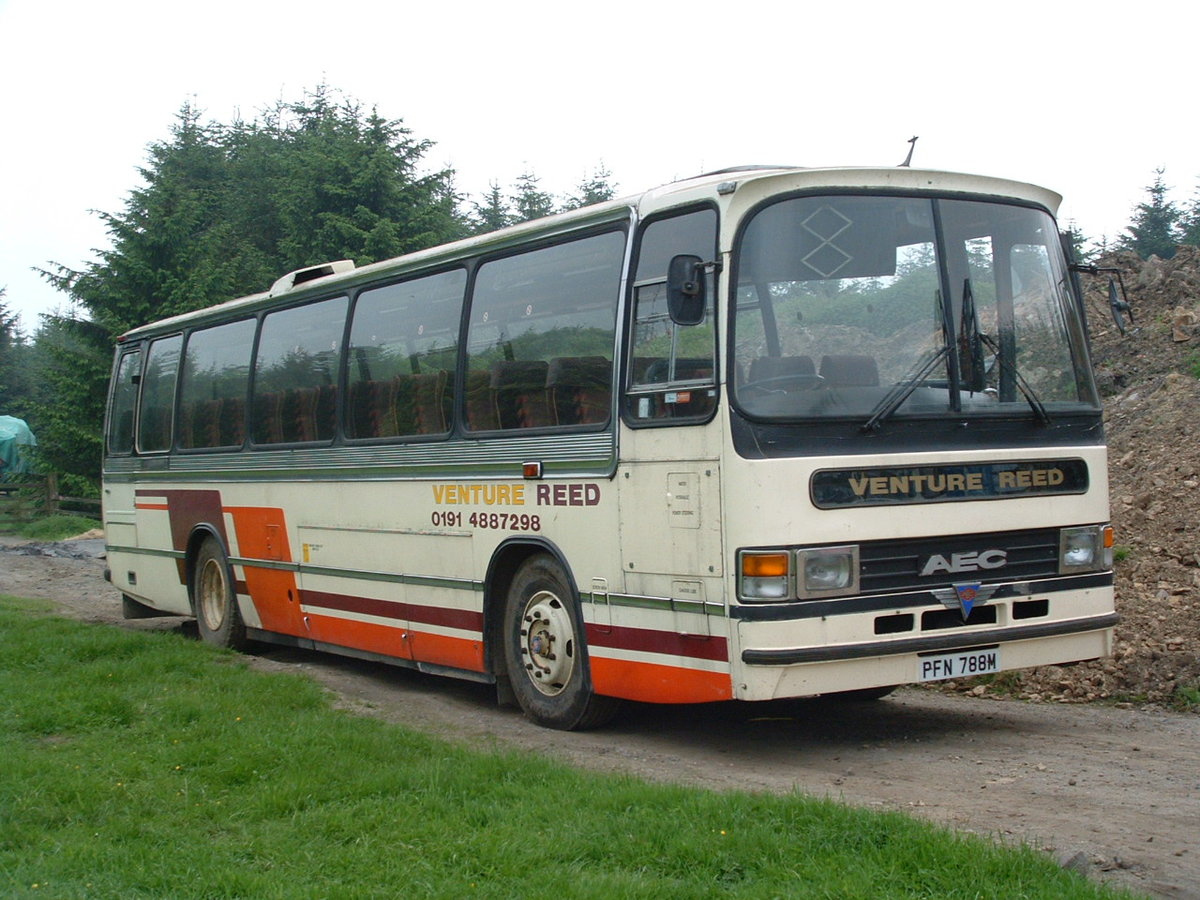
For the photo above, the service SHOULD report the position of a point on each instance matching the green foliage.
(493, 213)
(226, 209)
(1192, 363)
(529, 201)
(1187, 698)
(70, 364)
(55, 528)
(145, 765)
(14, 363)
(1154, 230)
(594, 188)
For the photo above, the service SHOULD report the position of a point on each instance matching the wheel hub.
(547, 643)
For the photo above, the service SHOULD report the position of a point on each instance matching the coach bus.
(764, 433)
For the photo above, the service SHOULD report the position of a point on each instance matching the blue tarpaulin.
(15, 439)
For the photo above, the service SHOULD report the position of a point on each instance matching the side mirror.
(1118, 302)
(686, 289)
(1120, 308)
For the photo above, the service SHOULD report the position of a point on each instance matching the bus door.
(669, 479)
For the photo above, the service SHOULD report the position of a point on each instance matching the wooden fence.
(35, 496)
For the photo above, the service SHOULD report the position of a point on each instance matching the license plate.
(958, 665)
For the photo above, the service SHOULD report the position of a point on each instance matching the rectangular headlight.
(1085, 549)
(826, 572)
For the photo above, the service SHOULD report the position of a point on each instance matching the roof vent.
(293, 280)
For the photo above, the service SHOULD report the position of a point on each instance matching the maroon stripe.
(669, 642)
(465, 619)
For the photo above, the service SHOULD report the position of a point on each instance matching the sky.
(1085, 98)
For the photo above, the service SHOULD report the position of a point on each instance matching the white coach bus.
(764, 433)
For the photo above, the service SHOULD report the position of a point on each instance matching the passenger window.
(124, 402)
(672, 371)
(296, 373)
(214, 382)
(402, 356)
(541, 335)
(156, 415)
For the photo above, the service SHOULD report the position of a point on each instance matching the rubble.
(1151, 379)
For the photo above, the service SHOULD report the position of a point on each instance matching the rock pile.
(1151, 379)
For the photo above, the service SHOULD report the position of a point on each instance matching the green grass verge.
(52, 528)
(145, 765)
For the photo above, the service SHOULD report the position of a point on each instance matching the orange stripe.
(397, 641)
(150, 506)
(653, 683)
(458, 653)
(385, 640)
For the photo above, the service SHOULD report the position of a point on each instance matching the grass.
(53, 528)
(141, 765)
(1187, 698)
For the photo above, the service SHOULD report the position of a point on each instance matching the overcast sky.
(1085, 98)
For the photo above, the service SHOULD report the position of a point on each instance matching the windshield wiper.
(971, 342)
(1039, 408)
(902, 390)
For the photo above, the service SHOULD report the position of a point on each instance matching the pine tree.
(1189, 232)
(530, 202)
(13, 371)
(493, 213)
(1077, 243)
(225, 210)
(595, 188)
(1154, 230)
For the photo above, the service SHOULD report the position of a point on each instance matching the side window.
(541, 335)
(296, 373)
(402, 356)
(156, 414)
(672, 368)
(214, 380)
(124, 401)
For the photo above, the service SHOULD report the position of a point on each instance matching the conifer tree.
(1154, 230)
(529, 201)
(594, 188)
(224, 210)
(493, 213)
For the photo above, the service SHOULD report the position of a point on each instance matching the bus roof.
(708, 186)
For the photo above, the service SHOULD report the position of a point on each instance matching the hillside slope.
(1150, 379)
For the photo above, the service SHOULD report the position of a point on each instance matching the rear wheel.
(216, 603)
(545, 651)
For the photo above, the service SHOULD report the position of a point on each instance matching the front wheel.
(214, 598)
(545, 651)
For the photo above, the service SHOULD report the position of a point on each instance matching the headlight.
(827, 571)
(764, 575)
(1086, 549)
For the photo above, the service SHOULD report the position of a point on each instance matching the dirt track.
(1112, 792)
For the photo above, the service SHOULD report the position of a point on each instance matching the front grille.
(896, 565)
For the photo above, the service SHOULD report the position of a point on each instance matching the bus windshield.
(865, 307)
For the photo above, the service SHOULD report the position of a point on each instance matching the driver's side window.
(672, 368)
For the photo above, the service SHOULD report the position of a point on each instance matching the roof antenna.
(912, 145)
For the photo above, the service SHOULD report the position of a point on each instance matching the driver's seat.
(767, 367)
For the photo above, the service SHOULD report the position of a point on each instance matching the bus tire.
(217, 613)
(545, 652)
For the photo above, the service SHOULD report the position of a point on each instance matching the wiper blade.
(971, 342)
(902, 390)
(1031, 397)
